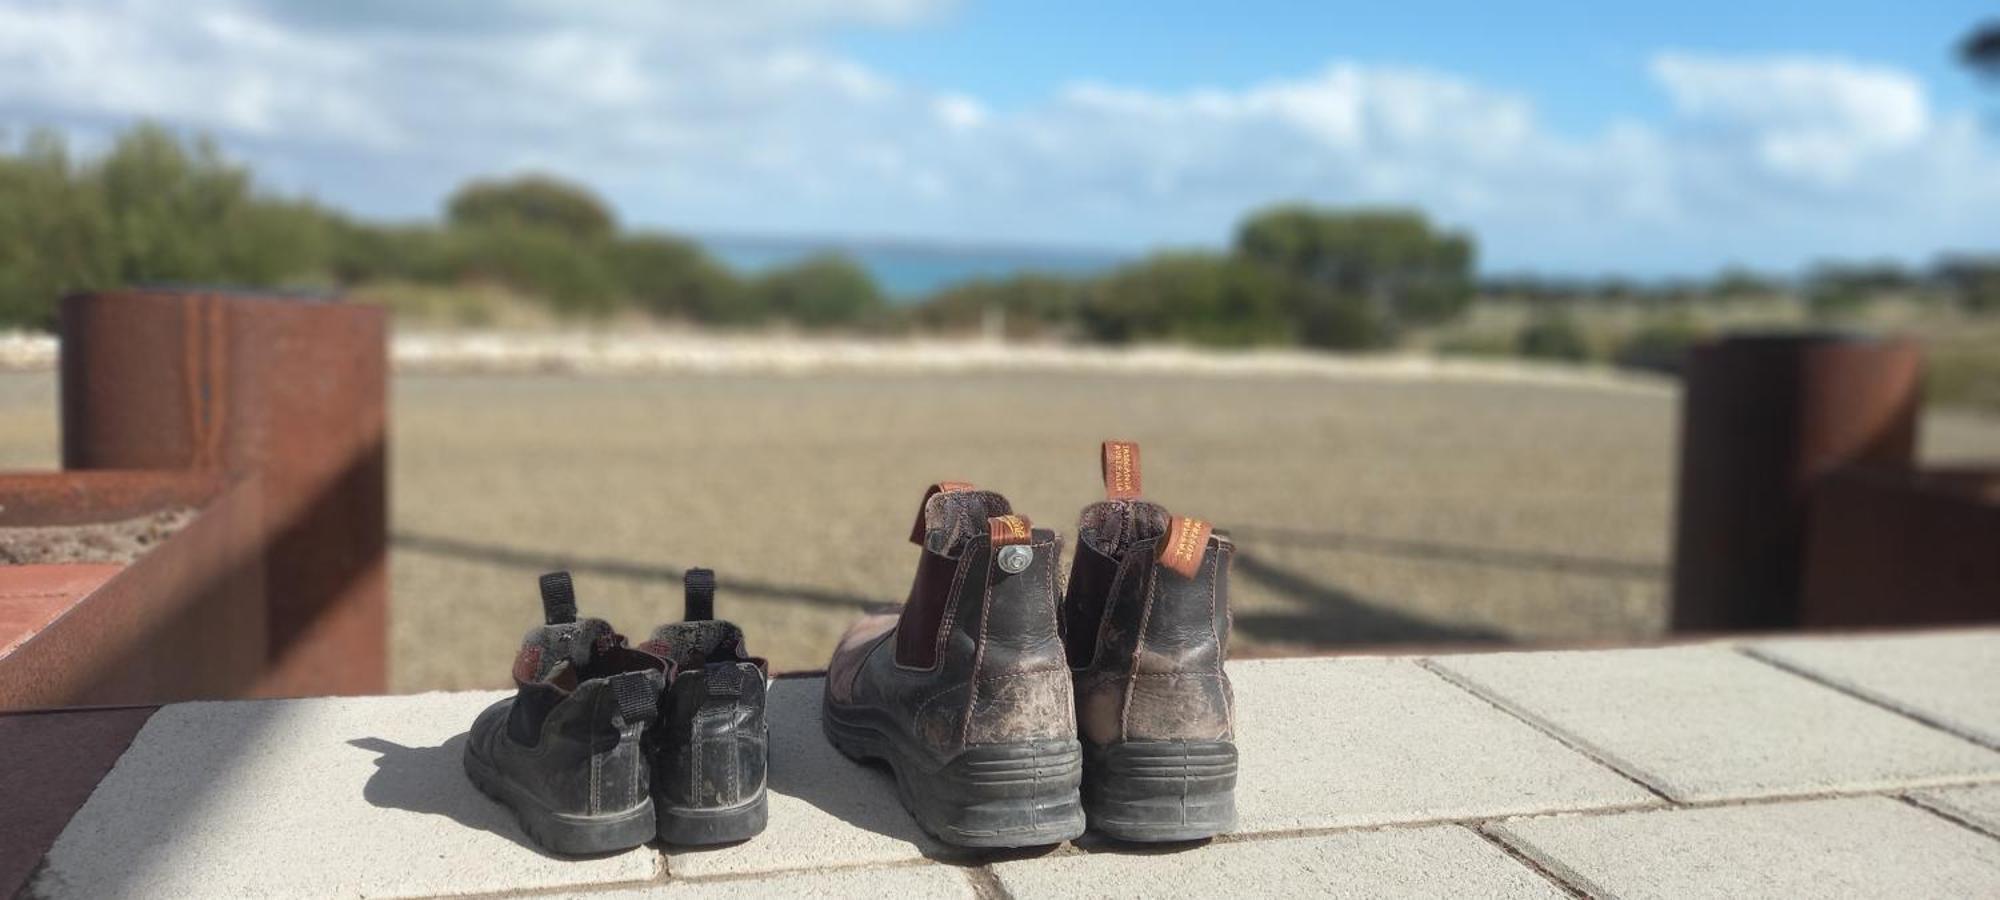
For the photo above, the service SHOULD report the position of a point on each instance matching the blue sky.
(1568, 137)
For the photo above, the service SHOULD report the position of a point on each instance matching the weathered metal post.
(1763, 419)
(292, 389)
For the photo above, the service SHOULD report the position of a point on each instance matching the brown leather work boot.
(1146, 624)
(964, 692)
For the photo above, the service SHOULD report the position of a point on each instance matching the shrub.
(540, 202)
(1552, 335)
(828, 289)
(1660, 345)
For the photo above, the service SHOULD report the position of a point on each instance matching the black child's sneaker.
(565, 751)
(709, 747)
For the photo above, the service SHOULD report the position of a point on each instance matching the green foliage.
(1553, 335)
(822, 290)
(1029, 305)
(539, 202)
(158, 209)
(671, 277)
(1197, 297)
(1404, 271)
(1838, 290)
(1660, 345)
(1974, 281)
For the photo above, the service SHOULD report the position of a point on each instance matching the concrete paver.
(1372, 741)
(1443, 861)
(324, 797)
(1951, 680)
(1851, 847)
(1709, 723)
(1977, 805)
(825, 809)
(924, 880)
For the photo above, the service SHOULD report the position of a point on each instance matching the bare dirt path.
(1368, 511)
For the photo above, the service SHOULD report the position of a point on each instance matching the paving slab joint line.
(1789, 668)
(1949, 816)
(986, 883)
(1524, 859)
(1545, 728)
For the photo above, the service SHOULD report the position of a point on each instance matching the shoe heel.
(1152, 791)
(1000, 795)
(700, 827)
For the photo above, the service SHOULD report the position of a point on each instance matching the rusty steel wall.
(1764, 419)
(183, 622)
(1888, 548)
(292, 390)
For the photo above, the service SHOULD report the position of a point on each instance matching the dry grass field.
(1368, 511)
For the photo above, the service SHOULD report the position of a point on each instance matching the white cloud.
(737, 117)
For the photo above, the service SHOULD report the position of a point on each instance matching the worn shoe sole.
(1161, 790)
(1019, 794)
(558, 832)
(698, 826)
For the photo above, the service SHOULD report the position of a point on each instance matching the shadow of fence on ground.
(1336, 616)
(1445, 552)
(546, 560)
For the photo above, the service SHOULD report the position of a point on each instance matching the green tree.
(1552, 335)
(1199, 297)
(1029, 305)
(545, 264)
(828, 289)
(674, 278)
(534, 202)
(1395, 263)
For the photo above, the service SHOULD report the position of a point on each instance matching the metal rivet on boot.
(1014, 558)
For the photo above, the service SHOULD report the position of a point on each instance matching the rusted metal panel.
(54, 762)
(1764, 419)
(185, 621)
(72, 498)
(294, 390)
(1889, 548)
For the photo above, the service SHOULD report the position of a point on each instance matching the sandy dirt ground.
(1368, 511)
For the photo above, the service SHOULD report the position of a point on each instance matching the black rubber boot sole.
(727, 825)
(1020, 794)
(1161, 790)
(571, 834)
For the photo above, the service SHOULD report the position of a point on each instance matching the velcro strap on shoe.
(1006, 530)
(698, 587)
(637, 700)
(942, 487)
(1185, 545)
(724, 680)
(1120, 464)
(558, 599)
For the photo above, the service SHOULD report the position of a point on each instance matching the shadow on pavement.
(431, 780)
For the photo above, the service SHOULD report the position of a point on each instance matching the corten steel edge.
(1765, 420)
(184, 621)
(1903, 548)
(290, 390)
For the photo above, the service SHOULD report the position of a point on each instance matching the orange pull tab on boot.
(1008, 530)
(1121, 470)
(1185, 545)
(942, 487)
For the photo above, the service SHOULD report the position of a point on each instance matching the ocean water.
(908, 272)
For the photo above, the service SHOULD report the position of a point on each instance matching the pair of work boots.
(604, 747)
(977, 691)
